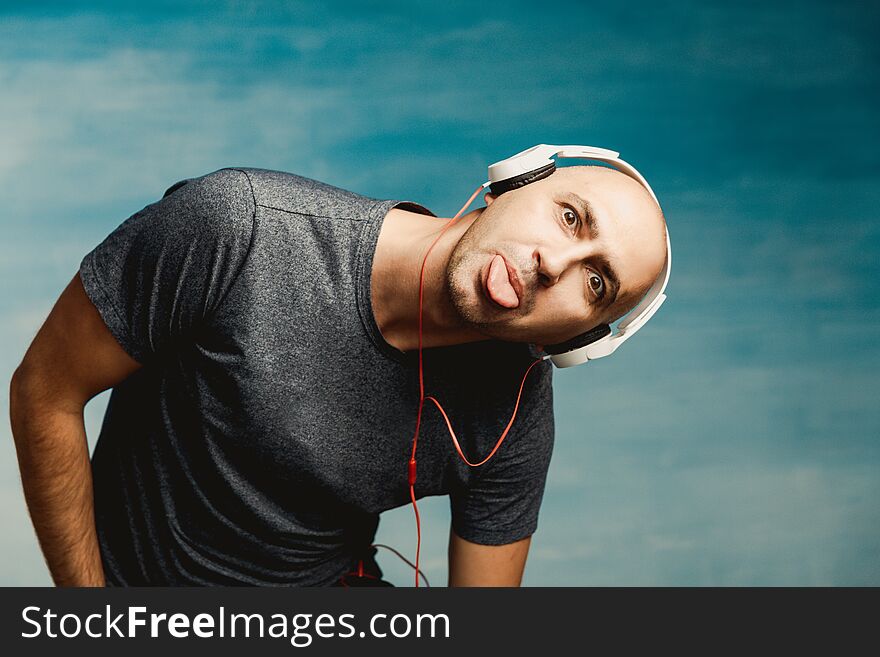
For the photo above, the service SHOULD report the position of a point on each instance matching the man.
(260, 334)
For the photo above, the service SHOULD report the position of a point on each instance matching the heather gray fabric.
(271, 423)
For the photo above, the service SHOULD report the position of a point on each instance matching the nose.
(551, 264)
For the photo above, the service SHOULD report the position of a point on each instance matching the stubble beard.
(464, 290)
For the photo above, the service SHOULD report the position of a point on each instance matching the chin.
(470, 299)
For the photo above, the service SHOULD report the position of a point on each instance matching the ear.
(488, 197)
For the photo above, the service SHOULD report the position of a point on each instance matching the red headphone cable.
(422, 398)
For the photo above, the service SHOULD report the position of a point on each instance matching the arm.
(72, 358)
(156, 280)
(471, 564)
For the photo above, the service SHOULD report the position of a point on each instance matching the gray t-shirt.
(271, 423)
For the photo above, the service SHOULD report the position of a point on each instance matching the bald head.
(641, 221)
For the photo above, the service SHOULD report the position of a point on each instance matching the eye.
(596, 283)
(570, 217)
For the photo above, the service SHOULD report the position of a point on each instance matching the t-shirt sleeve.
(161, 273)
(502, 501)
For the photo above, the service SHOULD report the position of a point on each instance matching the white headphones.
(535, 163)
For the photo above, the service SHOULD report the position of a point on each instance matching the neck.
(404, 239)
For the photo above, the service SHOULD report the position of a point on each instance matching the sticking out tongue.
(499, 284)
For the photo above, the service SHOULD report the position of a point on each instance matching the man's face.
(565, 274)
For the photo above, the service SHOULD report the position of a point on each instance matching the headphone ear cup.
(521, 180)
(582, 340)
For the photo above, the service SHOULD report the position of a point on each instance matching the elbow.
(29, 393)
(17, 396)
(15, 389)
(32, 390)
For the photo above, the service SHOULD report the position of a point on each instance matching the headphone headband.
(536, 163)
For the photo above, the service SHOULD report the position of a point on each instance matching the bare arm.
(471, 564)
(72, 358)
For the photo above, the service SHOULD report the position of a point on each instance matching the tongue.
(499, 284)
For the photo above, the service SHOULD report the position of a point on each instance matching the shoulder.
(290, 192)
(220, 202)
(223, 188)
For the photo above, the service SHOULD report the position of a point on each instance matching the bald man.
(584, 244)
(259, 331)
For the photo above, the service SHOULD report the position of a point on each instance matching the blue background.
(733, 442)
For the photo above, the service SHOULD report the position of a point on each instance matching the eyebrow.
(587, 213)
(593, 228)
